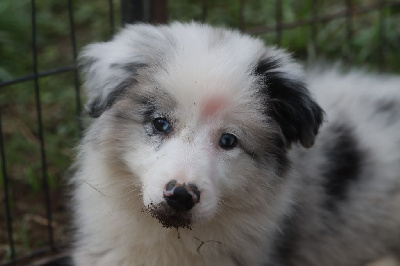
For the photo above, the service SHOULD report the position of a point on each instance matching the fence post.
(158, 11)
(153, 11)
(45, 182)
(6, 191)
(132, 11)
(349, 31)
(278, 21)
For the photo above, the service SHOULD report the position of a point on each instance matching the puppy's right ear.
(108, 71)
(290, 103)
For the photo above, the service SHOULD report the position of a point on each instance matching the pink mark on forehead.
(211, 106)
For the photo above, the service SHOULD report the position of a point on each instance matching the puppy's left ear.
(289, 102)
(109, 69)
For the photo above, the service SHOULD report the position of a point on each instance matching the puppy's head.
(201, 117)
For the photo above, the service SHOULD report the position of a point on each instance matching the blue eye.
(228, 141)
(162, 125)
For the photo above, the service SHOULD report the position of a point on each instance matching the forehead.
(206, 62)
(208, 85)
(210, 93)
(204, 74)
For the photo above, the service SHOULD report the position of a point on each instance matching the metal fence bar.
(241, 14)
(158, 11)
(254, 30)
(76, 77)
(349, 31)
(314, 27)
(46, 73)
(35, 78)
(278, 21)
(322, 19)
(203, 10)
(6, 193)
(382, 35)
(111, 10)
(132, 11)
(27, 259)
(40, 130)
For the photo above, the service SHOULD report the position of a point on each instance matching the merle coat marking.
(310, 175)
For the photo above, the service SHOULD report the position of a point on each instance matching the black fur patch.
(290, 103)
(389, 109)
(148, 108)
(85, 63)
(286, 239)
(100, 104)
(154, 101)
(236, 260)
(279, 153)
(386, 106)
(97, 106)
(344, 162)
(129, 67)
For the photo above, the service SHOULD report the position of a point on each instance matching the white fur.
(122, 171)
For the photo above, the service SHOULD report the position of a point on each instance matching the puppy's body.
(348, 203)
(257, 198)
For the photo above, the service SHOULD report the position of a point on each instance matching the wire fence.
(154, 11)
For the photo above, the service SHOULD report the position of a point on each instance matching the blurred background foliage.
(91, 18)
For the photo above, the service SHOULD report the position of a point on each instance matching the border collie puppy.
(204, 150)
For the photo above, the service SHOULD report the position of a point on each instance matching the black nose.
(181, 197)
